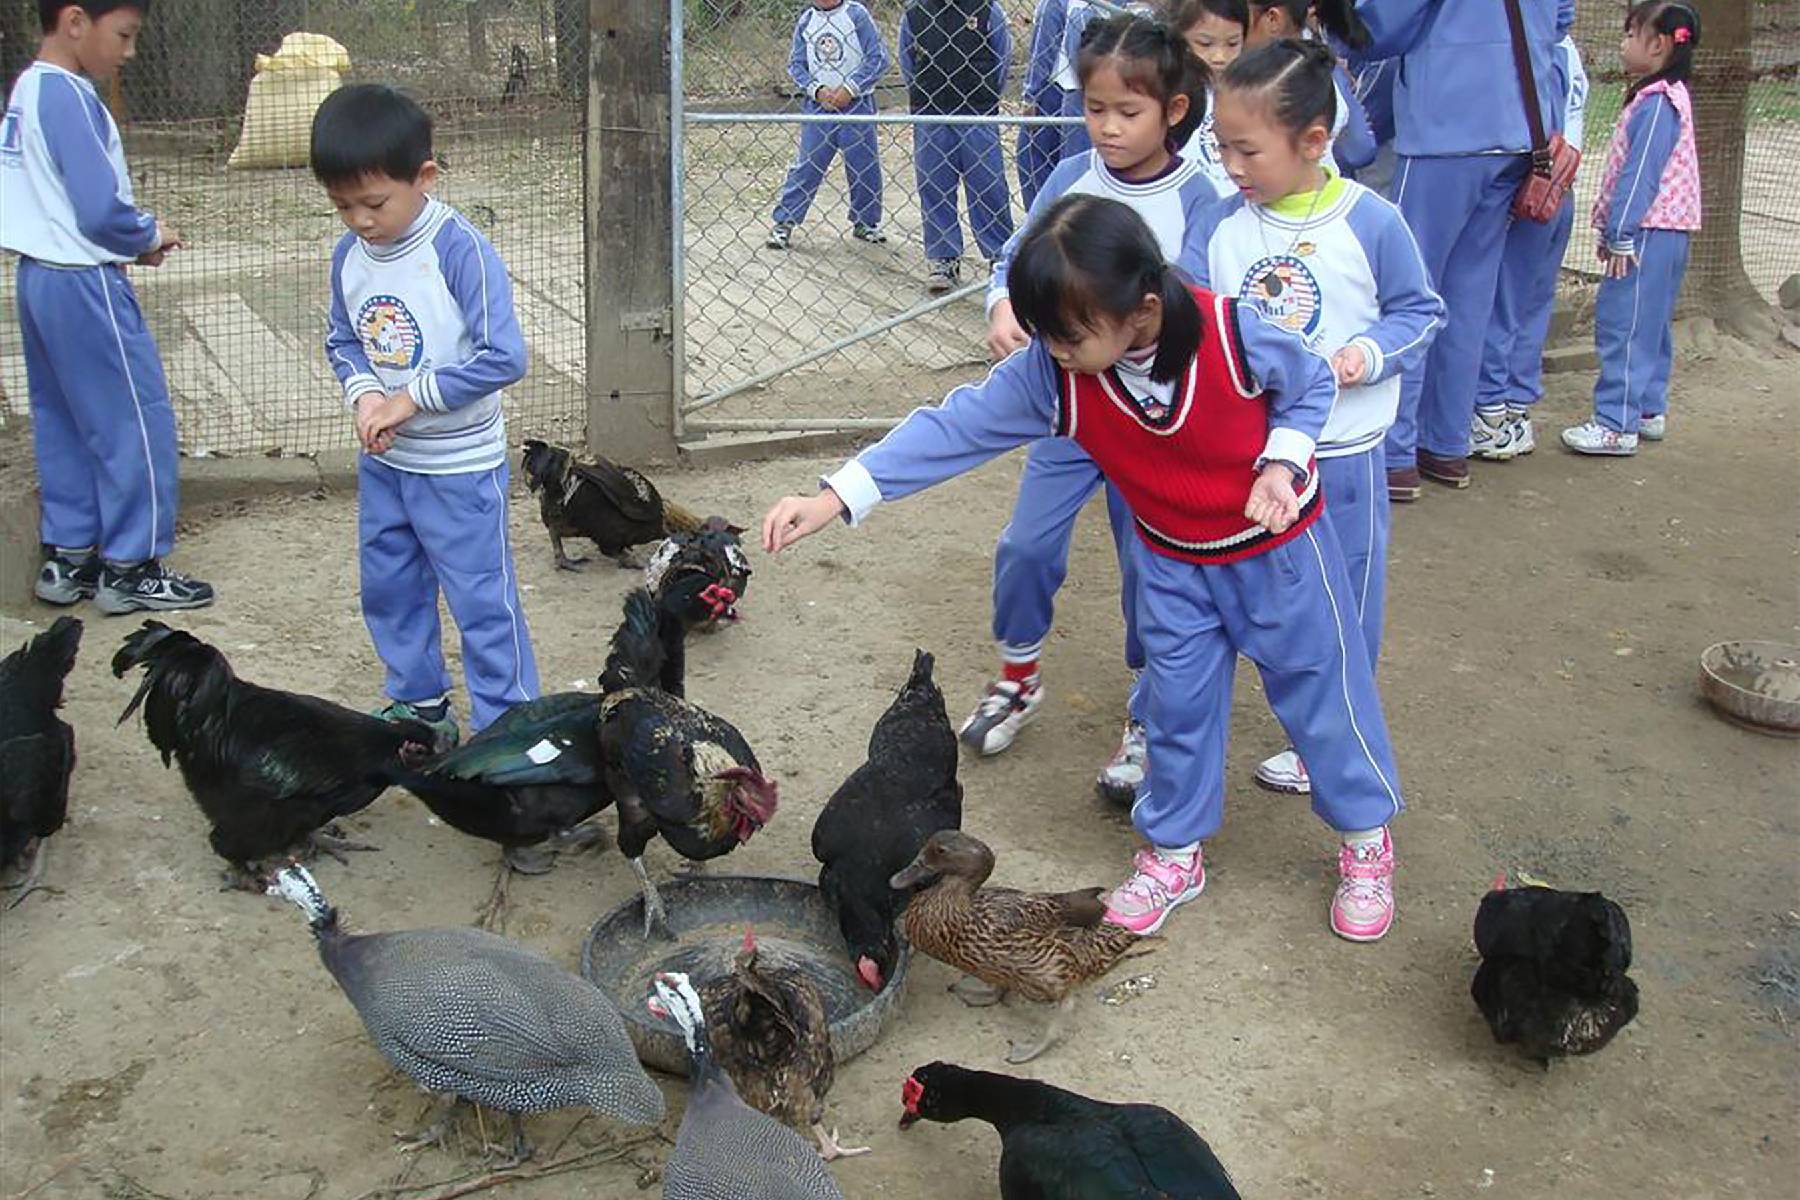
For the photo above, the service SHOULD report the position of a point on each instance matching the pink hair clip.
(1681, 36)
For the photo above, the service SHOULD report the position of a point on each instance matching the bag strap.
(1534, 117)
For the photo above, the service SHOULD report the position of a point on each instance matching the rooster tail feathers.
(677, 519)
(636, 657)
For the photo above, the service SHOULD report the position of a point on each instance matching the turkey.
(612, 506)
(726, 1150)
(469, 1013)
(701, 576)
(37, 751)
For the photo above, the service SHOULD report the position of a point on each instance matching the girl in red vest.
(1204, 417)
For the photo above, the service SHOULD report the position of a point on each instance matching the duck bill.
(909, 876)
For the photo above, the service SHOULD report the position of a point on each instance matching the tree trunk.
(479, 60)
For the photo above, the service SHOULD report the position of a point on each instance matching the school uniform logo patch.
(1285, 291)
(829, 49)
(389, 333)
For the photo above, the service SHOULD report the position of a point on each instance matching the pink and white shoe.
(1363, 909)
(1157, 887)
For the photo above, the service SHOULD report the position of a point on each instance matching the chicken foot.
(977, 993)
(1017, 1054)
(331, 841)
(29, 882)
(829, 1150)
(656, 917)
(563, 561)
(435, 1134)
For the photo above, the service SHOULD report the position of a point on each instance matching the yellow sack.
(288, 88)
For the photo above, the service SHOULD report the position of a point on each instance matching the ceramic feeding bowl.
(708, 915)
(1754, 684)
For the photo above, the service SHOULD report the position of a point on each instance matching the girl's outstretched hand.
(1618, 266)
(796, 517)
(1273, 504)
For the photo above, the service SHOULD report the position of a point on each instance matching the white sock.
(1366, 837)
(75, 554)
(1181, 855)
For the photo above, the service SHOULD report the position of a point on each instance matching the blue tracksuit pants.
(101, 423)
(1512, 360)
(1032, 558)
(1075, 137)
(819, 144)
(1291, 611)
(1356, 505)
(422, 533)
(1632, 332)
(1457, 209)
(1040, 146)
(945, 156)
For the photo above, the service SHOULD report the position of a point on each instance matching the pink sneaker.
(1157, 887)
(1363, 908)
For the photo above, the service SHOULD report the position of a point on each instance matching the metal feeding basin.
(1754, 684)
(708, 915)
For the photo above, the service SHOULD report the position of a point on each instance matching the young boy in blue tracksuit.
(837, 58)
(1464, 148)
(1040, 146)
(953, 56)
(423, 337)
(102, 426)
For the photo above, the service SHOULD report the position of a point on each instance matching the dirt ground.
(161, 1039)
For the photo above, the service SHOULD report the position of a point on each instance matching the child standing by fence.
(102, 426)
(1040, 146)
(423, 337)
(1649, 203)
(838, 57)
(1214, 31)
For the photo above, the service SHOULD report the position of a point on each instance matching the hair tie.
(1682, 34)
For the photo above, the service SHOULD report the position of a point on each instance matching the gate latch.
(659, 321)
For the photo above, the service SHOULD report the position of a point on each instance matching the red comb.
(1500, 880)
(749, 939)
(911, 1092)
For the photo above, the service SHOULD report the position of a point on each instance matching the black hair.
(1667, 17)
(1296, 74)
(50, 11)
(1183, 15)
(367, 129)
(1088, 258)
(1338, 18)
(1151, 57)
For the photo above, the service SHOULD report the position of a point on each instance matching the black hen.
(701, 576)
(1057, 1145)
(268, 768)
(676, 770)
(612, 506)
(1552, 976)
(37, 750)
(876, 823)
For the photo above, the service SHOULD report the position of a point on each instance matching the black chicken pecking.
(1552, 976)
(268, 768)
(702, 576)
(675, 770)
(612, 506)
(876, 823)
(1057, 1145)
(37, 751)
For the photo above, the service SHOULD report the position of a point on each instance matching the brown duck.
(769, 1031)
(1039, 945)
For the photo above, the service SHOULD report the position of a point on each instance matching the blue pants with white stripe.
(1040, 146)
(1457, 210)
(819, 144)
(1512, 360)
(1356, 505)
(422, 533)
(100, 417)
(1075, 137)
(946, 156)
(1032, 559)
(1632, 333)
(1290, 610)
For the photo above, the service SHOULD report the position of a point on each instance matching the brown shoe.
(1403, 485)
(1451, 472)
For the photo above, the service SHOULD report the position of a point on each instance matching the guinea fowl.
(1057, 1145)
(725, 1149)
(769, 1031)
(1552, 976)
(268, 768)
(702, 575)
(1039, 945)
(469, 1013)
(37, 751)
(876, 823)
(612, 506)
(676, 771)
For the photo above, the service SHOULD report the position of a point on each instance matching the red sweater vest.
(1186, 468)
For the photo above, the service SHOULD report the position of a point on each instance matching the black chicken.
(268, 768)
(675, 770)
(1552, 976)
(1057, 1145)
(37, 751)
(702, 576)
(612, 506)
(876, 823)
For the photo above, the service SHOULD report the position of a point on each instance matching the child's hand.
(796, 517)
(1273, 504)
(1618, 266)
(378, 416)
(1350, 365)
(166, 240)
(1004, 333)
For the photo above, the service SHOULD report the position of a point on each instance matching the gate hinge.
(660, 321)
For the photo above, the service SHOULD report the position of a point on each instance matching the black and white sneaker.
(64, 580)
(943, 274)
(780, 235)
(149, 587)
(868, 233)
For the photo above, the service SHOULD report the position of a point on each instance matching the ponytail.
(1297, 76)
(1681, 24)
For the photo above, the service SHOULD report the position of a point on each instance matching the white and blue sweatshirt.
(65, 194)
(1575, 91)
(1350, 274)
(433, 314)
(1046, 55)
(837, 47)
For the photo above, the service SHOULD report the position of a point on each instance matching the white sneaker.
(1591, 437)
(1121, 777)
(1652, 429)
(1488, 435)
(1518, 421)
(1284, 773)
(1006, 709)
